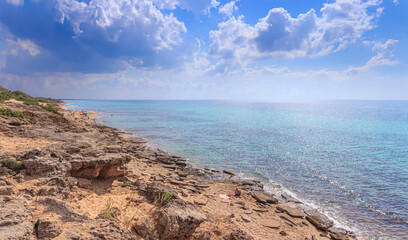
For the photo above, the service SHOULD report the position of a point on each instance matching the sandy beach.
(82, 180)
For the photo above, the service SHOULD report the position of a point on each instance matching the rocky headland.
(64, 176)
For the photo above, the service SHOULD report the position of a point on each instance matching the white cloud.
(138, 19)
(396, 2)
(280, 35)
(16, 2)
(196, 6)
(228, 9)
(384, 54)
(15, 46)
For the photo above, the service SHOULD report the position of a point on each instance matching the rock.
(113, 149)
(238, 235)
(283, 233)
(152, 190)
(15, 219)
(245, 218)
(229, 172)
(41, 166)
(158, 178)
(263, 197)
(110, 230)
(142, 227)
(202, 235)
(184, 193)
(106, 166)
(272, 224)
(178, 220)
(319, 220)
(338, 233)
(6, 190)
(48, 229)
(183, 174)
(33, 153)
(289, 198)
(260, 210)
(201, 185)
(293, 212)
(200, 202)
(83, 182)
(338, 236)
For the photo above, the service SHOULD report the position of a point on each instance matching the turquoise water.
(348, 158)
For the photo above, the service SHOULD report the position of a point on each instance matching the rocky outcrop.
(106, 166)
(15, 219)
(99, 229)
(47, 229)
(178, 220)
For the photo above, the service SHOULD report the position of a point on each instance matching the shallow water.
(349, 158)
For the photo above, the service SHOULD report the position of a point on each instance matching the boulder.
(178, 220)
(47, 229)
(110, 230)
(263, 197)
(83, 183)
(293, 212)
(319, 220)
(152, 191)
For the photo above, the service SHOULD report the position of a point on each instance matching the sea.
(348, 159)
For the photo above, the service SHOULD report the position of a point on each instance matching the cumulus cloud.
(92, 36)
(228, 9)
(196, 6)
(384, 56)
(280, 35)
(21, 45)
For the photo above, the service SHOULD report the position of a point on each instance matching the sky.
(205, 49)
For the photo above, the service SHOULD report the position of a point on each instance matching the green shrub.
(51, 108)
(107, 212)
(163, 198)
(7, 112)
(11, 164)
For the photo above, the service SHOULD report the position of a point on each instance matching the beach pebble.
(246, 218)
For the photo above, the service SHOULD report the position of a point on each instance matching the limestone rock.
(263, 197)
(319, 220)
(178, 220)
(238, 235)
(110, 230)
(15, 219)
(83, 182)
(293, 212)
(106, 166)
(48, 229)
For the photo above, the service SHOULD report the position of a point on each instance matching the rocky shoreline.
(73, 178)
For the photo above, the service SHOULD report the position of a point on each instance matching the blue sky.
(205, 49)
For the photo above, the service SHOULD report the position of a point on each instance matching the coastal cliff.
(64, 176)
